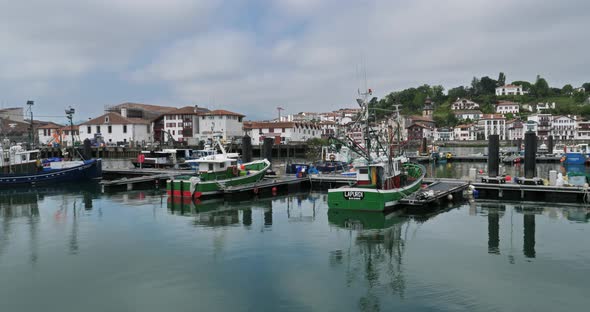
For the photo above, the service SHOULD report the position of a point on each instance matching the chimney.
(124, 112)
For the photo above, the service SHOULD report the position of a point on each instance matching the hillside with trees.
(568, 100)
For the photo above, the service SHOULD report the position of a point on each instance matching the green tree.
(509, 116)
(541, 87)
(526, 86)
(458, 92)
(501, 79)
(488, 85)
(586, 86)
(580, 97)
(567, 89)
(475, 87)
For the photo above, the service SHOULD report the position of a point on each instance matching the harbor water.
(79, 250)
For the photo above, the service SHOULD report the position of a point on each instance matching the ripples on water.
(140, 251)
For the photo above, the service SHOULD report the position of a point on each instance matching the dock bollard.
(472, 174)
(552, 177)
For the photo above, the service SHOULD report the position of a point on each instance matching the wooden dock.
(436, 192)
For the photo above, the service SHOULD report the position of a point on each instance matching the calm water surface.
(82, 251)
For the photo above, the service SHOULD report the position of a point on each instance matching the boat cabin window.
(222, 165)
(210, 167)
(234, 163)
(364, 170)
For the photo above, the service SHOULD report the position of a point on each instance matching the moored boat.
(20, 167)
(216, 174)
(384, 179)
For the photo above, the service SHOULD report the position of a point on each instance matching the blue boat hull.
(91, 169)
(574, 159)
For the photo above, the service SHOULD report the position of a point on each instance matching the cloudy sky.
(252, 56)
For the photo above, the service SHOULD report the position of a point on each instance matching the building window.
(97, 129)
(124, 128)
(271, 130)
(106, 119)
(110, 129)
(89, 129)
(283, 130)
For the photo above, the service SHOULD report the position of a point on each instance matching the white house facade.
(564, 128)
(510, 90)
(286, 132)
(505, 107)
(493, 124)
(221, 123)
(444, 134)
(116, 129)
(464, 104)
(467, 132)
(468, 114)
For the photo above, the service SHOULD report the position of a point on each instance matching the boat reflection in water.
(23, 203)
(375, 253)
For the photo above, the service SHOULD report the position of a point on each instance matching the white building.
(444, 134)
(115, 128)
(515, 130)
(467, 132)
(564, 128)
(287, 131)
(468, 114)
(541, 124)
(583, 130)
(49, 133)
(222, 123)
(505, 107)
(510, 90)
(179, 124)
(544, 107)
(493, 124)
(329, 128)
(464, 104)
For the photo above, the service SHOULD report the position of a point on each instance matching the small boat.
(23, 167)
(216, 173)
(166, 158)
(575, 155)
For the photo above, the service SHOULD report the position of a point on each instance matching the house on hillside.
(510, 89)
(464, 104)
(284, 132)
(544, 107)
(467, 114)
(505, 107)
(115, 128)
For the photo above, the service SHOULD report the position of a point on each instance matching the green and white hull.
(370, 198)
(208, 185)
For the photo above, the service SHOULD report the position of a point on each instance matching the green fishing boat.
(215, 174)
(383, 179)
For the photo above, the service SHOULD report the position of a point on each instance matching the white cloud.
(301, 55)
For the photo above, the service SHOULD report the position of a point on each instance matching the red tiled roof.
(50, 125)
(224, 112)
(492, 116)
(115, 119)
(463, 126)
(282, 124)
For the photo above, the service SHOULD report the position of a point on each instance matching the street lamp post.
(70, 115)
